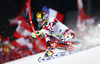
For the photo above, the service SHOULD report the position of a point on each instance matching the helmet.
(41, 16)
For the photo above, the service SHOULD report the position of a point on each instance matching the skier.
(52, 26)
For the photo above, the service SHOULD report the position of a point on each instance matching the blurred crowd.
(12, 50)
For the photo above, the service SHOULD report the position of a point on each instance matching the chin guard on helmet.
(39, 25)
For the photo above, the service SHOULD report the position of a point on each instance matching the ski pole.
(56, 34)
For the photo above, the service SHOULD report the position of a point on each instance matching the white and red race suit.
(54, 26)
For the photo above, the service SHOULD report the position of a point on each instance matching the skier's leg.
(48, 52)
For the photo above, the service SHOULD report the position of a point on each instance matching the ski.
(54, 56)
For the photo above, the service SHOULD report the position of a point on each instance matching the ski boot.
(48, 53)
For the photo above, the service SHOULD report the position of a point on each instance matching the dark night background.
(10, 8)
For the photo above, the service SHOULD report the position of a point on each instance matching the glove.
(37, 32)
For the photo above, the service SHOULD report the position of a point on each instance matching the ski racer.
(52, 26)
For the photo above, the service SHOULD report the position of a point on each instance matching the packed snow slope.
(89, 56)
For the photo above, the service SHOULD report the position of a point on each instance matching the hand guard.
(37, 32)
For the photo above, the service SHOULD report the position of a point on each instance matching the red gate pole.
(32, 24)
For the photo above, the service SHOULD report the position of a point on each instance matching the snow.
(89, 56)
(98, 25)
